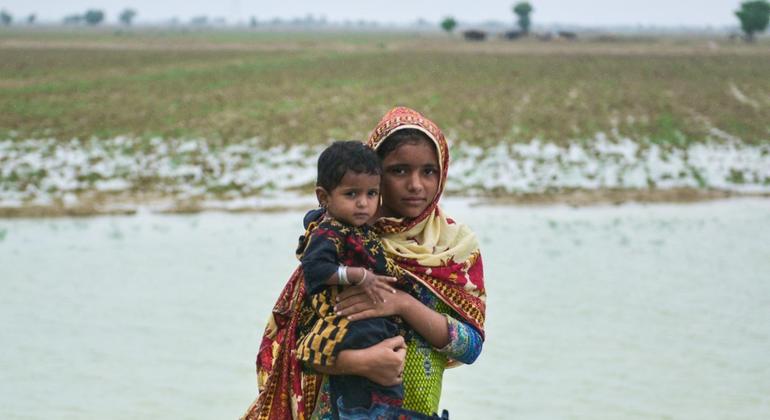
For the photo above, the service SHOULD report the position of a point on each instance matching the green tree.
(5, 18)
(754, 17)
(94, 16)
(523, 10)
(127, 16)
(31, 19)
(449, 24)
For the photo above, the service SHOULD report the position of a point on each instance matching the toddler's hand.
(377, 286)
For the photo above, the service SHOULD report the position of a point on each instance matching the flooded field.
(630, 312)
(50, 177)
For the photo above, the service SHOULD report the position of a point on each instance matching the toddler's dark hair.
(343, 156)
(405, 136)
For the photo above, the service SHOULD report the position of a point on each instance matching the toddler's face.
(355, 199)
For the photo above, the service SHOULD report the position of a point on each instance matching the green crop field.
(309, 88)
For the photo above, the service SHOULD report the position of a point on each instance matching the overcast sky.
(588, 12)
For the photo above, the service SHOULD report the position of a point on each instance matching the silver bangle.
(342, 275)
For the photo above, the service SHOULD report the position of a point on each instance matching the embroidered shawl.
(286, 391)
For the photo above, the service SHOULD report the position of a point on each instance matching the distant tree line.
(95, 17)
(753, 15)
(522, 10)
(90, 17)
(6, 18)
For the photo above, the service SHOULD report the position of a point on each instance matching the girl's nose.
(415, 183)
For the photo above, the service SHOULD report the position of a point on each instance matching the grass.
(306, 88)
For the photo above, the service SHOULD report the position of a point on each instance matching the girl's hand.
(355, 304)
(376, 286)
(382, 363)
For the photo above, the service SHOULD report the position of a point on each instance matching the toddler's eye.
(374, 193)
(350, 194)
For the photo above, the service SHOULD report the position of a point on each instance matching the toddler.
(339, 249)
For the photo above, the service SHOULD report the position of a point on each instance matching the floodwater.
(631, 312)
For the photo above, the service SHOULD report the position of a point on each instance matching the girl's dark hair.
(405, 136)
(343, 156)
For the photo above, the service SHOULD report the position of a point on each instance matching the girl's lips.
(413, 200)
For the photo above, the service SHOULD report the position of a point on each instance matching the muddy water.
(630, 312)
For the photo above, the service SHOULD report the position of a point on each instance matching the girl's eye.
(350, 194)
(430, 171)
(374, 193)
(397, 171)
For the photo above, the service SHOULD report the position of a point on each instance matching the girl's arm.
(450, 336)
(382, 363)
(431, 325)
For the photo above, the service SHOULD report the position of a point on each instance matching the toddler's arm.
(320, 263)
(373, 284)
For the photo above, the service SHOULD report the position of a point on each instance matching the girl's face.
(410, 179)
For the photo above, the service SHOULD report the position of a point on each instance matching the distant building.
(474, 35)
(511, 35)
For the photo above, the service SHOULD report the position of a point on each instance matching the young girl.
(446, 313)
